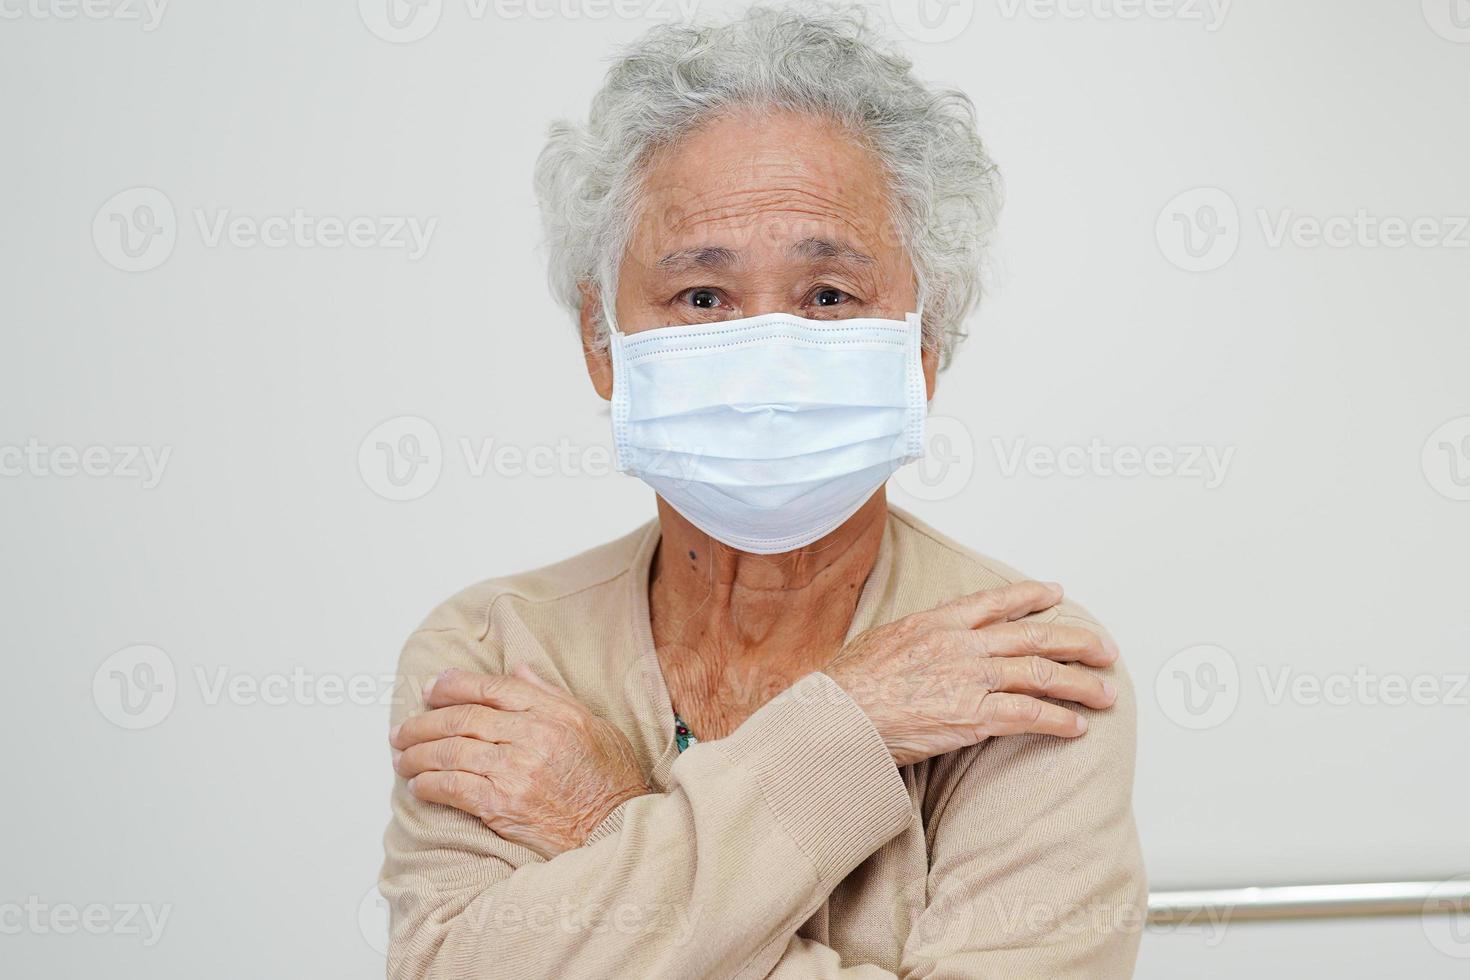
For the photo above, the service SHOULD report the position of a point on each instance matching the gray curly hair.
(822, 59)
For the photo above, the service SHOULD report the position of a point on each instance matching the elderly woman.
(784, 730)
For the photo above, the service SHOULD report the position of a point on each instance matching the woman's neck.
(733, 629)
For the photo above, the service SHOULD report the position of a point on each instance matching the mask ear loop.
(620, 396)
(609, 320)
(919, 312)
(918, 394)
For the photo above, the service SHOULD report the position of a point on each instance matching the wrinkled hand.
(955, 675)
(522, 755)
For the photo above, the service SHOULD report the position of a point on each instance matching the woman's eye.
(703, 299)
(829, 297)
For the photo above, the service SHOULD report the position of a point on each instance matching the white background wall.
(1331, 547)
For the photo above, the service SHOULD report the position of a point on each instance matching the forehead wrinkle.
(751, 204)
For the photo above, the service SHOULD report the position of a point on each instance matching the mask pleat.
(769, 433)
(775, 474)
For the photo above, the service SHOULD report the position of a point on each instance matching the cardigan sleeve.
(712, 878)
(1034, 864)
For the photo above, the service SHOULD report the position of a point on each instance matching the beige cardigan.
(794, 848)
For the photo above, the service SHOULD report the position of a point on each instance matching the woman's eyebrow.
(702, 257)
(826, 248)
(720, 257)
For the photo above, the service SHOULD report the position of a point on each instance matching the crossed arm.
(1033, 862)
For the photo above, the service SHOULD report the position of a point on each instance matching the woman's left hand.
(523, 756)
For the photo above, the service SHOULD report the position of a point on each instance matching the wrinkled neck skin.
(734, 629)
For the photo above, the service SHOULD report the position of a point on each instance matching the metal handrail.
(1450, 895)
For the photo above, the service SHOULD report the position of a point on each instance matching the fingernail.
(1110, 648)
(396, 756)
(429, 687)
(1109, 690)
(1054, 586)
(408, 783)
(1081, 724)
(393, 732)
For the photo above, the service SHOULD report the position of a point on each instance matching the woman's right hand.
(955, 675)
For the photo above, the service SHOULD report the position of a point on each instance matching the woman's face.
(761, 214)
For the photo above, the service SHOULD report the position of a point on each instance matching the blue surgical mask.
(768, 432)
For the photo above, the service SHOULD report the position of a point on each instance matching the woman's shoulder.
(472, 610)
(534, 616)
(938, 568)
